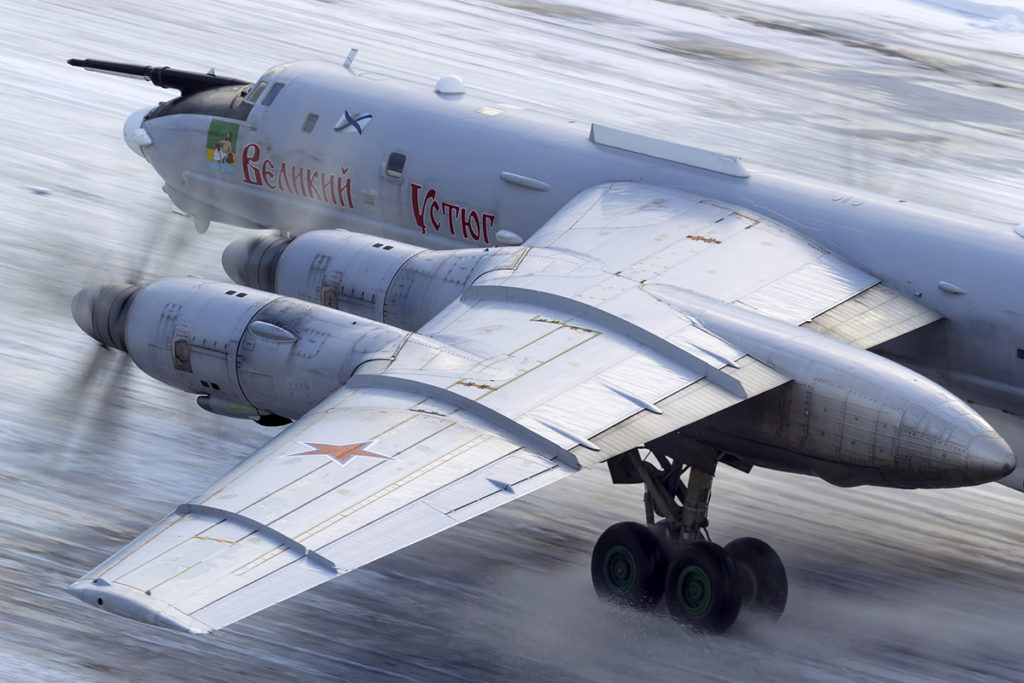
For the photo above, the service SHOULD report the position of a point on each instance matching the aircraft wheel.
(701, 588)
(762, 578)
(628, 566)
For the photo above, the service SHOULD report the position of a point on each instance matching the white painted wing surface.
(565, 359)
(367, 473)
(671, 239)
(395, 457)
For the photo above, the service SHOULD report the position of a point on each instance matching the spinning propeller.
(99, 310)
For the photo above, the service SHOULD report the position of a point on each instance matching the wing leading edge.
(564, 361)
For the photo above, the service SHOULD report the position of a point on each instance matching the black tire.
(628, 566)
(701, 588)
(762, 578)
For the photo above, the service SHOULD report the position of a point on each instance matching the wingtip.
(135, 604)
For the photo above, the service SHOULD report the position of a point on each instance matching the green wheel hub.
(693, 590)
(628, 566)
(620, 570)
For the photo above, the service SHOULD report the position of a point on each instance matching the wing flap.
(397, 530)
(515, 484)
(808, 290)
(290, 578)
(872, 317)
(686, 406)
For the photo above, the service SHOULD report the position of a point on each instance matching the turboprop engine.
(387, 281)
(848, 416)
(247, 353)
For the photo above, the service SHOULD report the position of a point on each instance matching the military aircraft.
(463, 301)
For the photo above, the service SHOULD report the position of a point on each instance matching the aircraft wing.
(564, 356)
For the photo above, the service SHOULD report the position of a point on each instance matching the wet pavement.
(920, 99)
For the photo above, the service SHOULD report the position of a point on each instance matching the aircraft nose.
(135, 136)
(989, 458)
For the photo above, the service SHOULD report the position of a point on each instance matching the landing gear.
(628, 566)
(704, 584)
(701, 587)
(762, 578)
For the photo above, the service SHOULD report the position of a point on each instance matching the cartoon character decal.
(221, 140)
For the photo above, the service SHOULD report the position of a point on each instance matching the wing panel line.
(516, 431)
(612, 322)
(259, 527)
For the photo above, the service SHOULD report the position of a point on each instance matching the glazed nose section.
(135, 136)
(989, 458)
(101, 311)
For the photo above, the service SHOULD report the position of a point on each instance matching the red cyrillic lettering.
(298, 186)
(250, 155)
(488, 221)
(418, 207)
(326, 183)
(345, 190)
(451, 210)
(267, 172)
(470, 220)
(311, 185)
(283, 183)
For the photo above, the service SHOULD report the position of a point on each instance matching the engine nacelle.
(248, 353)
(383, 280)
(849, 416)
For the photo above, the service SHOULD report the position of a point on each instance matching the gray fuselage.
(336, 150)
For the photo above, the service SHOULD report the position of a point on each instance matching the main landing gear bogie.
(704, 585)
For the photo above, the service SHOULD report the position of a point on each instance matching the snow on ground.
(921, 98)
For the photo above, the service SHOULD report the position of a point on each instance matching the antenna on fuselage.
(351, 58)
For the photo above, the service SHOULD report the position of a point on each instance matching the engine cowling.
(247, 353)
(383, 280)
(848, 416)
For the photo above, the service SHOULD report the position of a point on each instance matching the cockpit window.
(307, 125)
(257, 90)
(274, 90)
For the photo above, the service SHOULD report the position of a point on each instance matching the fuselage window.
(274, 90)
(307, 125)
(395, 165)
(257, 90)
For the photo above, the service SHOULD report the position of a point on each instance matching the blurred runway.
(919, 98)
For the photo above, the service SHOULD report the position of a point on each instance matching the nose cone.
(101, 311)
(989, 458)
(252, 261)
(135, 136)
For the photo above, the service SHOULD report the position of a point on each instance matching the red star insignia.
(340, 454)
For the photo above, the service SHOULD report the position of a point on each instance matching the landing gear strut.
(704, 584)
